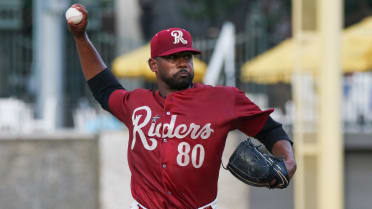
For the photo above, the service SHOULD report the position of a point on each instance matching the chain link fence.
(17, 79)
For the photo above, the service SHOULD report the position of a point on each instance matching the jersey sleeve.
(102, 85)
(249, 118)
(118, 105)
(271, 133)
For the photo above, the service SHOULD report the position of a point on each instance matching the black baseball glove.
(257, 168)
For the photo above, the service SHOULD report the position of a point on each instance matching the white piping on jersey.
(135, 205)
(213, 204)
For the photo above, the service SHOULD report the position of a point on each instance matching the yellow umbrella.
(357, 46)
(271, 66)
(134, 64)
(277, 64)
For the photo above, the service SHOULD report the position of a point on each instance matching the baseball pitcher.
(177, 133)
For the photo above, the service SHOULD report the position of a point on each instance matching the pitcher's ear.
(153, 65)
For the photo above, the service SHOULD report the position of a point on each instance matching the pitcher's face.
(175, 70)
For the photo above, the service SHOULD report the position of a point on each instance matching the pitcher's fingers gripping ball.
(73, 15)
(77, 19)
(257, 168)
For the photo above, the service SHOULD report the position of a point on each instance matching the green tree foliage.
(212, 10)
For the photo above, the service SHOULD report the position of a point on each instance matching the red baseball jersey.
(176, 143)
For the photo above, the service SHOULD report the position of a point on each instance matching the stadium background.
(259, 26)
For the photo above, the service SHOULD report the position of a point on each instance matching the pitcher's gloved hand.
(257, 168)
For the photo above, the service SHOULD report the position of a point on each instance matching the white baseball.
(73, 15)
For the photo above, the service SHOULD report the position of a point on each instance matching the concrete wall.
(358, 171)
(358, 182)
(115, 174)
(69, 171)
(49, 172)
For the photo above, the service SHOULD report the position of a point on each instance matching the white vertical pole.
(230, 58)
(128, 33)
(330, 193)
(48, 60)
(127, 25)
(222, 52)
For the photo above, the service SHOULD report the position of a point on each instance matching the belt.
(209, 207)
(212, 205)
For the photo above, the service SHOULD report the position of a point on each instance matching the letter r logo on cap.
(178, 37)
(171, 41)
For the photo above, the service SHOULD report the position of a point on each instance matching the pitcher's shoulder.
(141, 91)
(218, 89)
